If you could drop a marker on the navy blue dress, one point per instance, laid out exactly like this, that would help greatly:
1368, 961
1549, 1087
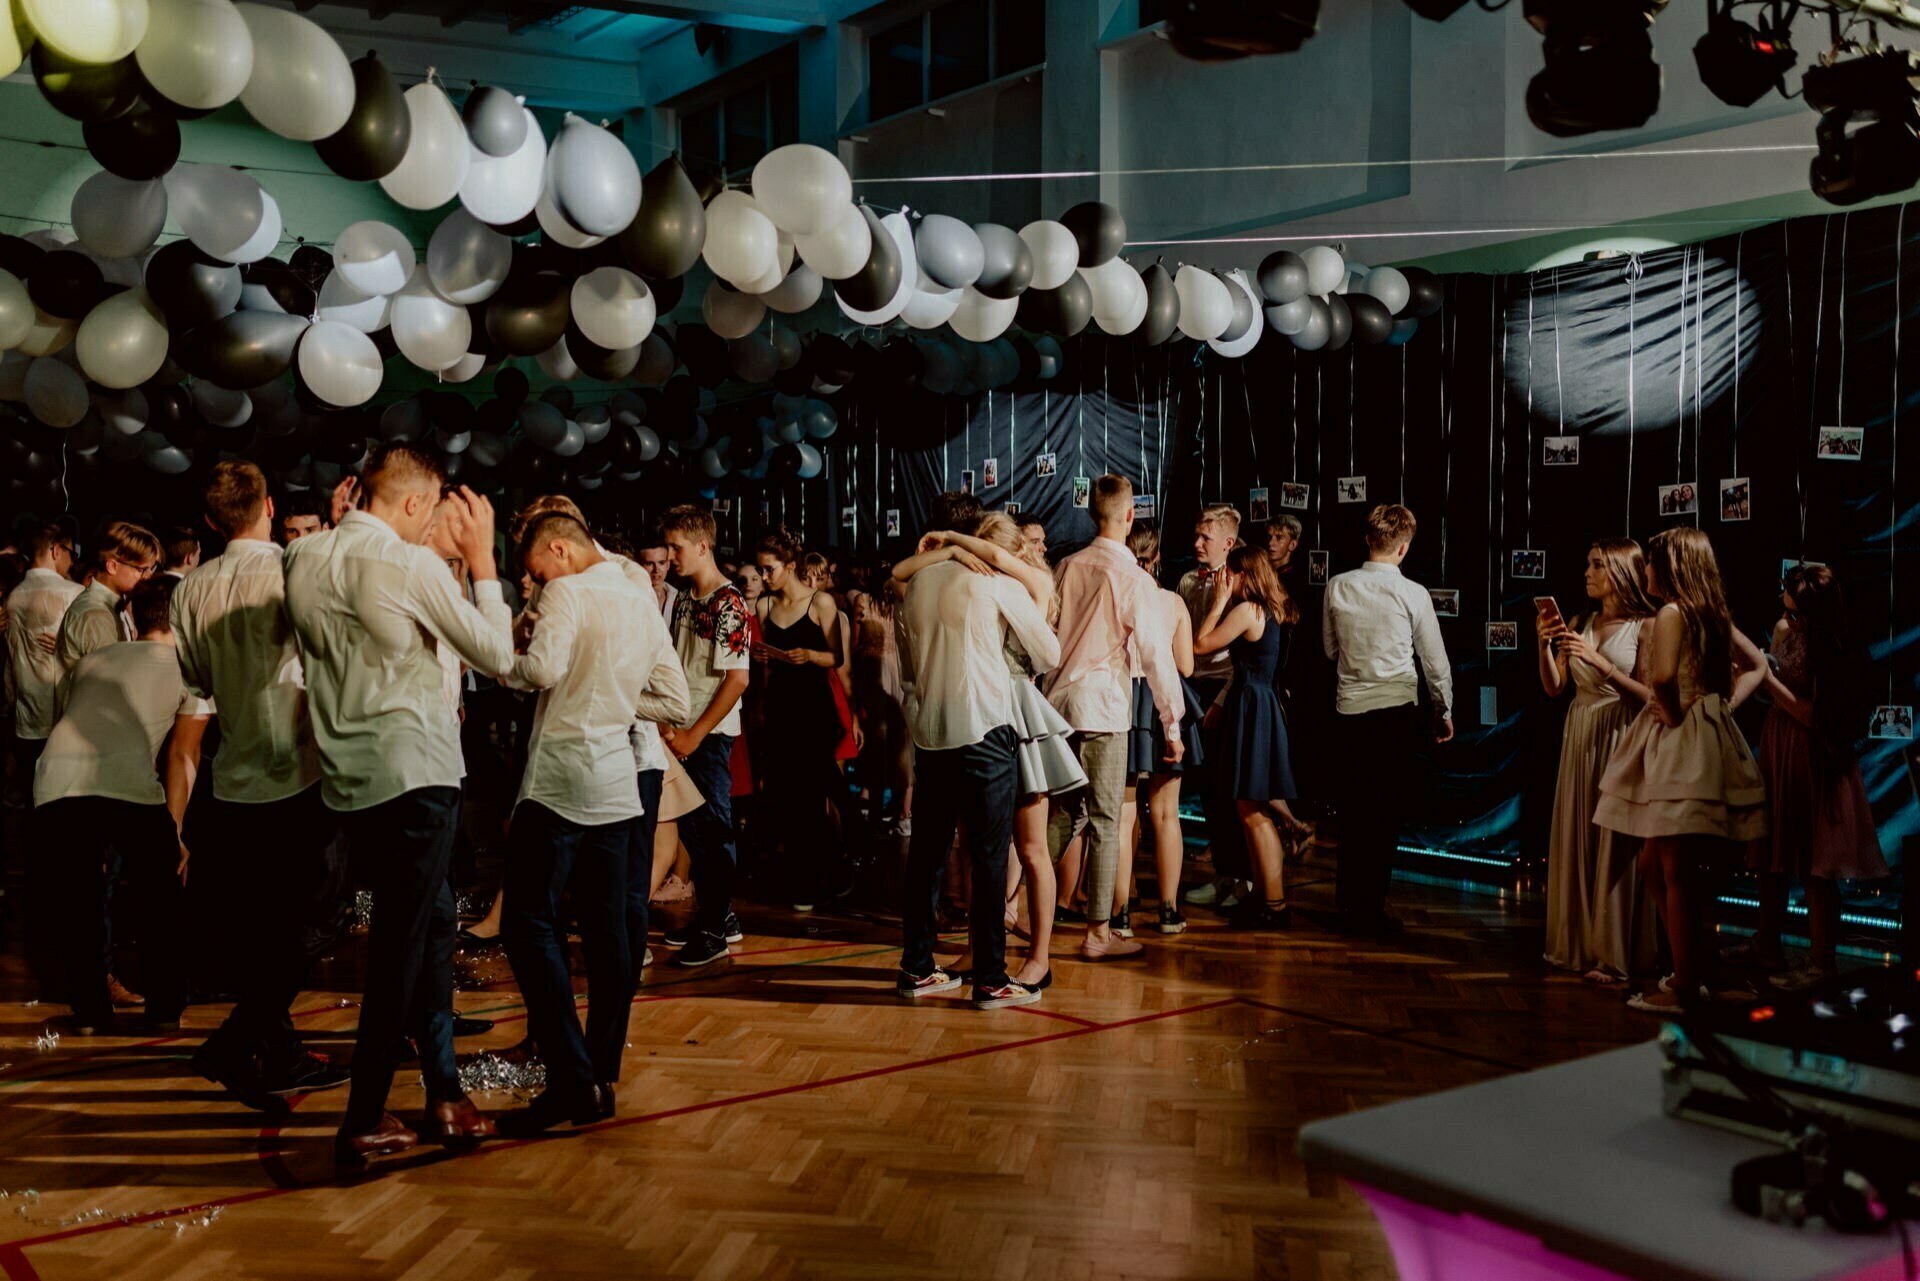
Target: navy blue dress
1255, 729
1147, 738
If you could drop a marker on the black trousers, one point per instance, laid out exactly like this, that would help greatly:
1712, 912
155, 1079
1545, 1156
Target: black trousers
273, 858
975, 785
401, 850
1224, 833
798, 782
708, 833
549, 855
640, 877
89, 842
1373, 801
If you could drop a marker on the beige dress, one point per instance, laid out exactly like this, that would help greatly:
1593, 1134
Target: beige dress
1597, 918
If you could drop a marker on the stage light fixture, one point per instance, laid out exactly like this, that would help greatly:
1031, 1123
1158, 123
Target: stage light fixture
1739, 62
1600, 72
1869, 130
1219, 30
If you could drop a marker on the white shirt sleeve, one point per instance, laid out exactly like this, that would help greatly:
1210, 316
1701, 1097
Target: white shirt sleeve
666, 699
1329, 639
1028, 624
1153, 641
550, 651
480, 633
1432, 649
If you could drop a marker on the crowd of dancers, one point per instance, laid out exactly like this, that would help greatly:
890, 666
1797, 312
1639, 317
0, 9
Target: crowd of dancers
1037, 718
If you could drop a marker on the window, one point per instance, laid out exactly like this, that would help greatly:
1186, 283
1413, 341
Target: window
952, 47
731, 134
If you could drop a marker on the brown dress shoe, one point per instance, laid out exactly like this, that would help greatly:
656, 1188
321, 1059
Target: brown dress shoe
122, 998
457, 1123
389, 1136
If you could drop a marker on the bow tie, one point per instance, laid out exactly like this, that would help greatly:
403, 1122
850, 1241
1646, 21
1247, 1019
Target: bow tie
1206, 574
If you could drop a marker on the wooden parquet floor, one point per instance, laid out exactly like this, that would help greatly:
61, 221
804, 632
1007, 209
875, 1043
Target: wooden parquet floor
784, 1116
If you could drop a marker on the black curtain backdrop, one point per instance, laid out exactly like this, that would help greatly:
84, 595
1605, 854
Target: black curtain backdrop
1687, 366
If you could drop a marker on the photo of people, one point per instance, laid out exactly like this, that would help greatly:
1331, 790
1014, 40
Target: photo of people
1446, 601
1351, 489
1892, 722
1678, 500
1294, 496
990, 473
893, 522
848, 515
966, 481
1503, 636
1529, 563
1143, 506
1736, 498
1082, 490
1257, 505
1044, 465
1316, 569
1841, 444
1560, 451
1012, 509
722, 506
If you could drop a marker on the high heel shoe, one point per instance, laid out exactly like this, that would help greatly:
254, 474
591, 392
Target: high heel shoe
1040, 984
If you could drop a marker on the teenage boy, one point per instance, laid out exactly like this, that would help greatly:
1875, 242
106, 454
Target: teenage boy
1215, 533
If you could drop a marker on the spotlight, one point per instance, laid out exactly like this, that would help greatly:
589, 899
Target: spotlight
1886, 80
1869, 130
1600, 72
1738, 62
1218, 30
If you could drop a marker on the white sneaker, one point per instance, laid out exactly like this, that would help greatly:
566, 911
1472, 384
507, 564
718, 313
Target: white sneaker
1235, 896
903, 828
646, 958
1205, 895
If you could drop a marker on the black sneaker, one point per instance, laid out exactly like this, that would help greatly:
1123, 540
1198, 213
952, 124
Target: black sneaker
306, 1074
704, 950
1008, 993
239, 1077
678, 938
1171, 922
914, 986
1255, 915
1122, 922
731, 929
1068, 916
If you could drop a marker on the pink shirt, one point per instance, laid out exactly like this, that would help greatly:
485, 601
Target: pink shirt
1111, 624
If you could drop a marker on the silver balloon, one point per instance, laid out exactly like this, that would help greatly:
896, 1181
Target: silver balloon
220, 406
170, 460
223, 211
799, 291
339, 364
494, 122
403, 420
786, 347
595, 421
558, 363
571, 442
341, 302
504, 189
116, 218
438, 155
124, 413
466, 259
613, 308
729, 313
374, 257
55, 392
16, 311
429, 330
488, 449
594, 178
1290, 318
950, 251
811, 461
123, 341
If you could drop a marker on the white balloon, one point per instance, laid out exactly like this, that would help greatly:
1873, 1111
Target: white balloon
339, 364
897, 227
1206, 308
16, 311
196, 53
341, 303
932, 308
979, 318
464, 369
302, 85
466, 259
438, 154
1390, 286
1247, 341
1119, 296
839, 251
1056, 254
93, 32
730, 313
557, 363
265, 238
220, 406
430, 331
1325, 269
555, 224
373, 257
595, 180
222, 210
52, 238
613, 307
56, 394
123, 341
768, 283
799, 291
118, 218
504, 189
803, 188
47, 335
742, 244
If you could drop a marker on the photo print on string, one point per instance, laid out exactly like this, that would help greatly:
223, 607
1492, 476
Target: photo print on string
990, 473
893, 522
1012, 509
1503, 635
1840, 444
1082, 491
1736, 498
847, 517
1143, 506
1351, 489
1559, 451
1316, 569
1446, 601
1258, 509
1045, 465
1787, 563
1529, 562
966, 480
1678, 500
1891, 721
1295, 497
722, 506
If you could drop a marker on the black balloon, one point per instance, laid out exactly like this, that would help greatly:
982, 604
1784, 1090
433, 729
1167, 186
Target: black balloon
609, 364
451, 412
784, 462
312, 265
1424, 294
1099, 229
1063, 312
666, 293
86, 93
666, 236
678, 401
1009, 267
874, 285
65, 284
170, 413
242, 350
904, 361
140, 145
1339, 322
1244, 315
19, 256
830, 359
559, 397
704, 353
190, 288
271, 285
1372, 322
374, 140
530, 312
1282, 277
496, 417
1163, 307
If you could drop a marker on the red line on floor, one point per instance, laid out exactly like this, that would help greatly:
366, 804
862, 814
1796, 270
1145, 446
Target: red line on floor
1055, 1014
1398, 1038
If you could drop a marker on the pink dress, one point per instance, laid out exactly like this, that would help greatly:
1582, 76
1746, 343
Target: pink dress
1822, 824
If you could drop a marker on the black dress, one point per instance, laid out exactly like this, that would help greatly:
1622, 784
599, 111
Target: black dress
1147, 738
802, 726
1255, 730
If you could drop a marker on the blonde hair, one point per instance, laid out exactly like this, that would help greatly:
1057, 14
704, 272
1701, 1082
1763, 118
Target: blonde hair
999, 529
1687, 575
128, 543
1220, 514
1112, 499
1389, 525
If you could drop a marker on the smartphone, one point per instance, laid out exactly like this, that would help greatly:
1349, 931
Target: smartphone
1549, 611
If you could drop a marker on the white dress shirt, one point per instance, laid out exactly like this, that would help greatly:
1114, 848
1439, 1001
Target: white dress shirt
1196, 594
649, 750
1373, 622
593, 652
36, 607
94, 619
117, 706
954, 628
236, 645
1111, 625
370, 613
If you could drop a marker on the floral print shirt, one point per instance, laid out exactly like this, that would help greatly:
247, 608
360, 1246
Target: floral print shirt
713, 636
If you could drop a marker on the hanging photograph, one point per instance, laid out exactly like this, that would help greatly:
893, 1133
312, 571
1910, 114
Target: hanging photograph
1044, 465
966, 481
847, 517
1529, 562
1351, 489
893, 522
1678, 500
1446, 601
1316, 569
1788, 563
1503, 636
1736, 498
1143, 506
1295, 497
1082, 491
1892, 722
1012, 509
766, 510
1840, 444
990, 473
722, 506
1257, 507
1560, 451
